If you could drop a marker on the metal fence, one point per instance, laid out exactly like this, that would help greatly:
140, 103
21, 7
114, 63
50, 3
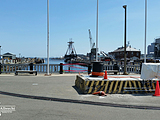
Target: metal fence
55, 68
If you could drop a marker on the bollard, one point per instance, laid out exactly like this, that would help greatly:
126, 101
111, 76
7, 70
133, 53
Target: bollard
0, 68
61, 68
69, 69
89, 69
31, 67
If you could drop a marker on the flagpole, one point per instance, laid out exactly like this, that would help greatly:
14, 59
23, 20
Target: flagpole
47, 37
145, 31
97, 35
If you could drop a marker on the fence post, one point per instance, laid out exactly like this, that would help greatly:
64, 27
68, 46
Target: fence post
61, 68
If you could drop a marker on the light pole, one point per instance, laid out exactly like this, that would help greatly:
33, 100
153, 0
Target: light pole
47, 37
145, 31
125, 7
97, 35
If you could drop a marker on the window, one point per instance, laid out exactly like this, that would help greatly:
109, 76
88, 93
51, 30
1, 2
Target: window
137, 53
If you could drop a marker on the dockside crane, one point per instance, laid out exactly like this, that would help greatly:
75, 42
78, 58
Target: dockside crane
93, 49
92, 44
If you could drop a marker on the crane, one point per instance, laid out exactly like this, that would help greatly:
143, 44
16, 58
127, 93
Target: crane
92, 44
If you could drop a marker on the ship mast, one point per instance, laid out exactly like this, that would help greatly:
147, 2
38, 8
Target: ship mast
71, 52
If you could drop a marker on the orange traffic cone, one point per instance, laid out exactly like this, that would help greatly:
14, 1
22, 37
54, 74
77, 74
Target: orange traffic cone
96, 93
100, 93
105, 75
157, 91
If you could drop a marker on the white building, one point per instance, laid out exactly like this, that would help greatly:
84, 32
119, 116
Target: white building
8, 56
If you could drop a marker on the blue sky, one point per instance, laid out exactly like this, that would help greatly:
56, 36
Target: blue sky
23, 25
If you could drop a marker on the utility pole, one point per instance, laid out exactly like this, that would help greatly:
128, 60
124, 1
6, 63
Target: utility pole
125, 26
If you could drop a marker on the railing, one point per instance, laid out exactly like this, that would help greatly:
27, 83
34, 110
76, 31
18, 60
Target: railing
55, 68
133, 69
41, 68
129, 68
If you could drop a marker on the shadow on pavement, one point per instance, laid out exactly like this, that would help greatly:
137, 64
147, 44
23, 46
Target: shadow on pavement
78, 90
80, 101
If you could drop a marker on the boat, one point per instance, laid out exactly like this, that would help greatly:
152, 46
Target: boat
70, 53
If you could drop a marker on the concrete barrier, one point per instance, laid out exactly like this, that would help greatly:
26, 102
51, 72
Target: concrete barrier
89, 86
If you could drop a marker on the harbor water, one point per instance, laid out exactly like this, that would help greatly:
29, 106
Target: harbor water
67, 67
54, 61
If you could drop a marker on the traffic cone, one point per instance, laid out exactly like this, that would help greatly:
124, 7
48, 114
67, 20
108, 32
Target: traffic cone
105, 75
96, 93
100, 93
157, 91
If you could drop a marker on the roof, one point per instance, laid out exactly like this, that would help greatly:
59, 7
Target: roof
7, 54
127, 49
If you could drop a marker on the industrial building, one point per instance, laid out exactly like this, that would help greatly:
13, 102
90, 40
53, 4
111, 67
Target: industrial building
157, 48
131, 53
150, 48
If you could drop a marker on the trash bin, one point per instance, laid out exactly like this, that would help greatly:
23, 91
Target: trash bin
97, 69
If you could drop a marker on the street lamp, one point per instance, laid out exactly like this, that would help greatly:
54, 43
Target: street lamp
125, 7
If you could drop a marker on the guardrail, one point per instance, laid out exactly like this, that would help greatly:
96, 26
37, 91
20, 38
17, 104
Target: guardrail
41, 68
55, 68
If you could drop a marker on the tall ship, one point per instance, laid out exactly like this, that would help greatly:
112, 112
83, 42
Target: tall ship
70, 53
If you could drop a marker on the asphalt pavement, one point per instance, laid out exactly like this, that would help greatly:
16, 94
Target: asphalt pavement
56, 97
